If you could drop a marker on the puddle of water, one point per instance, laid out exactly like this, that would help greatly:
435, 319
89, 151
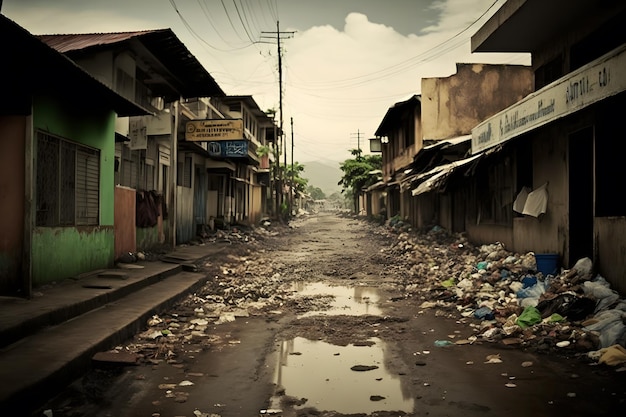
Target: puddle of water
352, 301
322, 373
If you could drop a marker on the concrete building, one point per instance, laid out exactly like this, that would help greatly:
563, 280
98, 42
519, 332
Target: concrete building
552, 178
57, 130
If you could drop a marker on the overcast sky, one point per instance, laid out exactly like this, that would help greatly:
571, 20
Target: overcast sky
346, 63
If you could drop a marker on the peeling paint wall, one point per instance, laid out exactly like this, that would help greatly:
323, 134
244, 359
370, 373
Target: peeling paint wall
611, 250
64, 252
125, 216
256, 204
452, 106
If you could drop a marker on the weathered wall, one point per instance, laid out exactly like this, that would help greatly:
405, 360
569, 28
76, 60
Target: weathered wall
64, 252
59, 253
256, 204
89, 126
184, 215
445, 211
452, 106
125, 216
547, 234
12, 130
426, 209
611, 250
485, 234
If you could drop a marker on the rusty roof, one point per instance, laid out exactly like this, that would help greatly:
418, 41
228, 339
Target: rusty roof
178, 70
37, 69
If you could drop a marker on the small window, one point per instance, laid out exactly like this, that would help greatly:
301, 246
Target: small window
68, 183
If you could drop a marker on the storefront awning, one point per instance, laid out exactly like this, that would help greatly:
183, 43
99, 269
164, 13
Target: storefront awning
377, 186
440, 174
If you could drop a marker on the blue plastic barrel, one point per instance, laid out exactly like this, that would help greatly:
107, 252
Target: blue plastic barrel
547, 263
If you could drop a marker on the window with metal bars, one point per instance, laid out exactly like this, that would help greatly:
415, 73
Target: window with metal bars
67, 184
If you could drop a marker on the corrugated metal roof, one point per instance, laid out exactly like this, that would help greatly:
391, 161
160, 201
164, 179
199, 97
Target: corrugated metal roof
178, 70
73, 42
36, 67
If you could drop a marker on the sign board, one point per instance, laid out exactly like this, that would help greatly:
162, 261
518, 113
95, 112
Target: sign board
159, 124
137, 133
595, 81
214, 130
228, 148
376, 145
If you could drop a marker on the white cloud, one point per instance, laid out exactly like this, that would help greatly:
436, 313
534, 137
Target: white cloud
337, 82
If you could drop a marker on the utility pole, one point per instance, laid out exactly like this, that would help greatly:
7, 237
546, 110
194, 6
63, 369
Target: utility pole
293, 175
358, 139
270, 35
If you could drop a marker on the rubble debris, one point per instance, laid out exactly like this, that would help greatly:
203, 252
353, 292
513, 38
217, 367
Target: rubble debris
502, 296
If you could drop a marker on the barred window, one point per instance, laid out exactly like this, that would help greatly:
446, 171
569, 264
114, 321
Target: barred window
68, 183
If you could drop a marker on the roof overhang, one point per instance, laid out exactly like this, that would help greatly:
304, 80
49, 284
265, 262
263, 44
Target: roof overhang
395, 113
527, 25
174, 70
439, 175
37, 68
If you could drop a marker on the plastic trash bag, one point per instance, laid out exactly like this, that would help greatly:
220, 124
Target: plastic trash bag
601, 290
532, 292
584, 267
610, 325
484, 313
567, 305
529, 317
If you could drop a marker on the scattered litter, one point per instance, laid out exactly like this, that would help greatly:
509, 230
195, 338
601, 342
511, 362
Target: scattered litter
364, 368
493, 359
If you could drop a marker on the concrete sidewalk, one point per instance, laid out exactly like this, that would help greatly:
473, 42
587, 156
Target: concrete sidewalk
48, 341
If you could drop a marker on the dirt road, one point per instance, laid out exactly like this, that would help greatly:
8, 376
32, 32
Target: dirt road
315, 321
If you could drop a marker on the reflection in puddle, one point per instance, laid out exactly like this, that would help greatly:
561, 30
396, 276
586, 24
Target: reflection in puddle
353, 301
322, 374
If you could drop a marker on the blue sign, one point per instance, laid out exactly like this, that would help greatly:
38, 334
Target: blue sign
229, 148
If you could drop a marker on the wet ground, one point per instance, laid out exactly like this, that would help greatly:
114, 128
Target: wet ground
314, 322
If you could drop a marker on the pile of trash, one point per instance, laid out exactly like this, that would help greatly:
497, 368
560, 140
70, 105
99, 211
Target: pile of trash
505, 299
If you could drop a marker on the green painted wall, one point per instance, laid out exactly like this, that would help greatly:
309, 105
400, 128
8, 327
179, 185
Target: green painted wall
59, 253
148, 238
89, 126
64, 252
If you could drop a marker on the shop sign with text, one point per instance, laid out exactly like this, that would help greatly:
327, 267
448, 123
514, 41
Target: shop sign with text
595, 81
214, 130
228, 148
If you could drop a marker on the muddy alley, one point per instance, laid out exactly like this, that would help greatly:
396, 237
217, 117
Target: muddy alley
330, 317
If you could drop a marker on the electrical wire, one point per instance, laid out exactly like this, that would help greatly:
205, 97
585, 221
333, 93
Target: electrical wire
431, 54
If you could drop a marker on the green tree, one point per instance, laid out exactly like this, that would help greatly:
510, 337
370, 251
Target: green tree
359, 173
316, 193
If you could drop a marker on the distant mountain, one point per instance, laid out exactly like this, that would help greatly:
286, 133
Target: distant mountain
324, 176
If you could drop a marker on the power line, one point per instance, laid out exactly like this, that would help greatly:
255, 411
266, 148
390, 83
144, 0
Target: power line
428, 55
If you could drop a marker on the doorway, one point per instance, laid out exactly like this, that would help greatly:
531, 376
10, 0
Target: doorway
581, 195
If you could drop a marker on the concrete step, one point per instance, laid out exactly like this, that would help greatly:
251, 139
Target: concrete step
61, 302
37, 367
